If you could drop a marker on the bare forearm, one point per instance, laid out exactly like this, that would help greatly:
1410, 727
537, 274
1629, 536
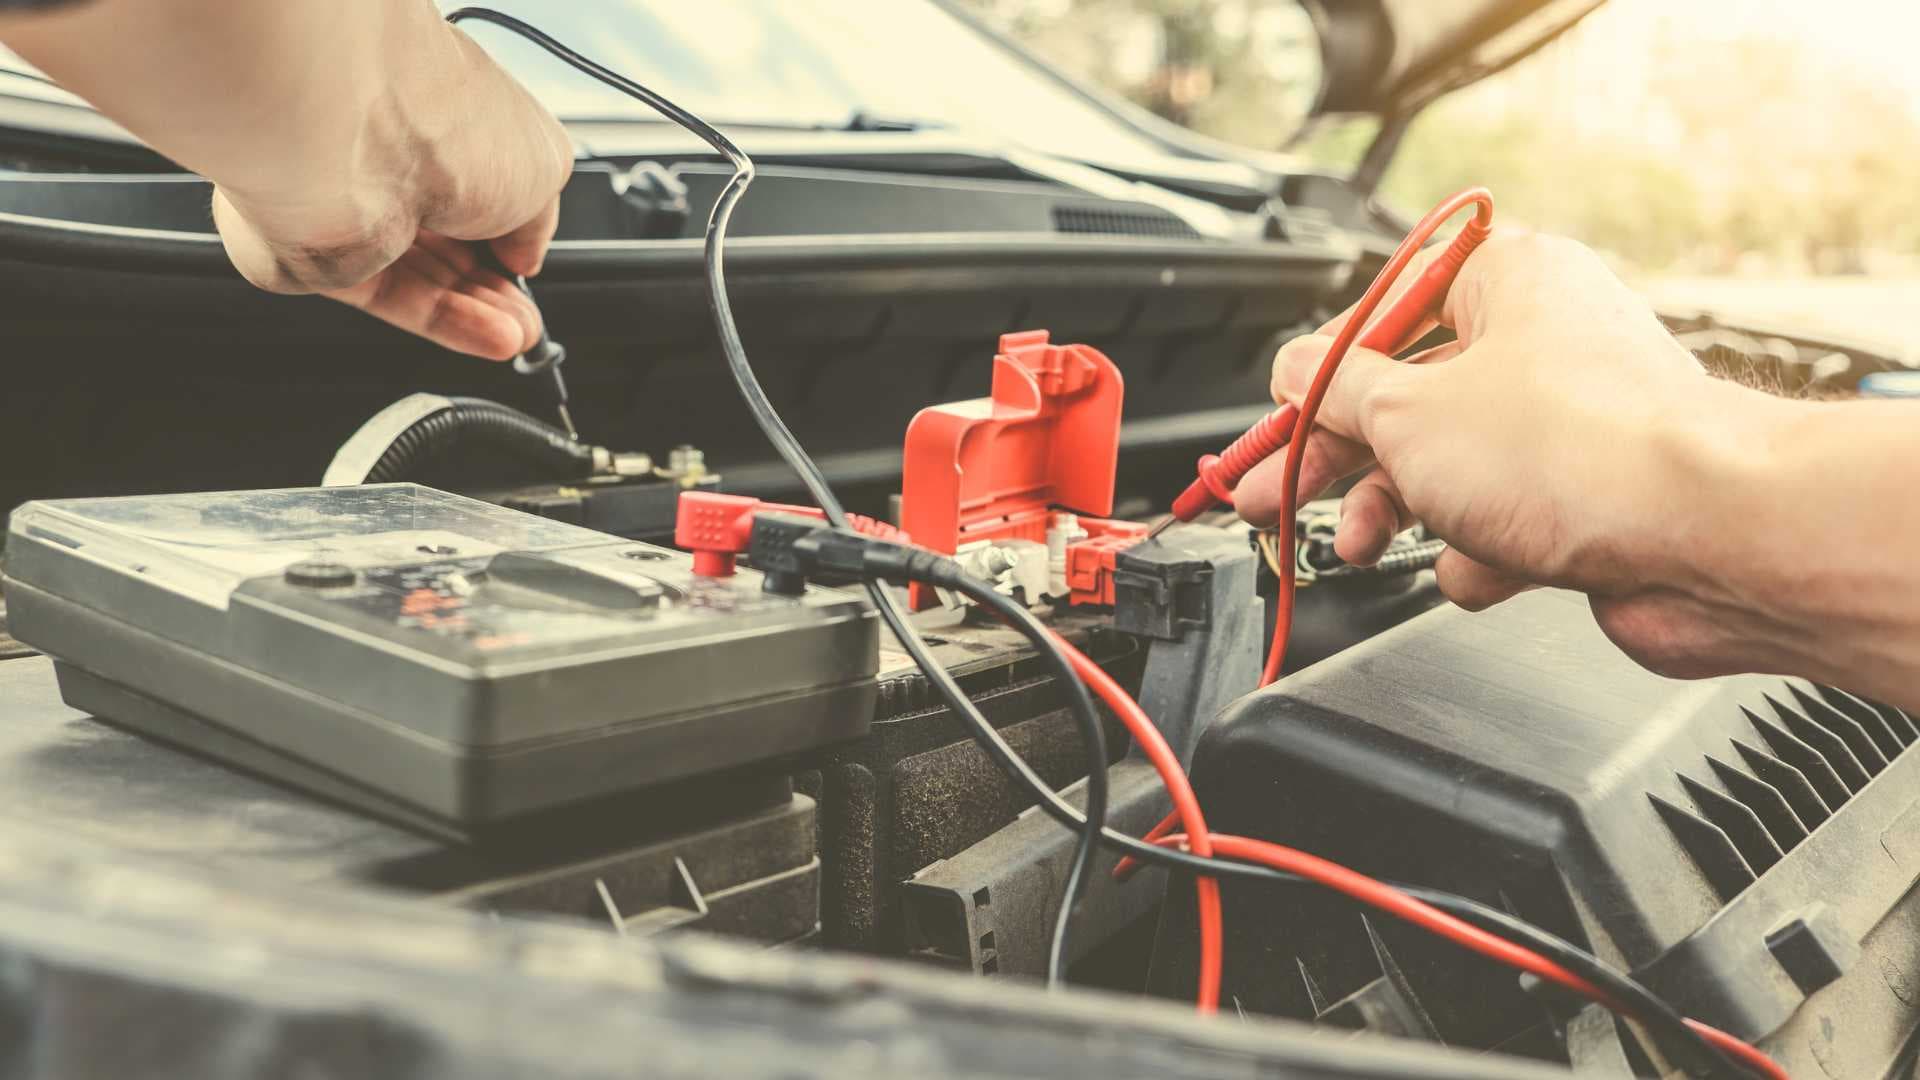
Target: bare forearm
347, 126
1567, 440
1817, 515
274, 102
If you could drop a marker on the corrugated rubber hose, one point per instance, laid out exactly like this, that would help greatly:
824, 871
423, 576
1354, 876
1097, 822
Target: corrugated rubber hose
474, 422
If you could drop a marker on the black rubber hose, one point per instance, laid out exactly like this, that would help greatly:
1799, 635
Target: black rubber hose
474, 422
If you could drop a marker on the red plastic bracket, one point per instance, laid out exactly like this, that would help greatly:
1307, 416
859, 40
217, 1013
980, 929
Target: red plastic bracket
992, 468
988, 469
1090, 562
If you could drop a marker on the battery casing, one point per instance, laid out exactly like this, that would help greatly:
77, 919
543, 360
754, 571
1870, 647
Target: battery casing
428, 656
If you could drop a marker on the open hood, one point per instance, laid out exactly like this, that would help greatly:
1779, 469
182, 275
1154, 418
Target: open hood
1395, 56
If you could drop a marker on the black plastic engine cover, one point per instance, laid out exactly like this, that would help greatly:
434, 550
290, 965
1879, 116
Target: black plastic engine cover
1745, 845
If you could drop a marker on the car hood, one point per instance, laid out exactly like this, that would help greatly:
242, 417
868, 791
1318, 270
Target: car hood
1395, 56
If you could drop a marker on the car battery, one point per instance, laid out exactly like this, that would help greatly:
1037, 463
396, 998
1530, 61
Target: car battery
919, 789
729, 853
441, 661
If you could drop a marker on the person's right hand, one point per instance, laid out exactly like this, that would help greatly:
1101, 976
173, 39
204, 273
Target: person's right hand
1565, 439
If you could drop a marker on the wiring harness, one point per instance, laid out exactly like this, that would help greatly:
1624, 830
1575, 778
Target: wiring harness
799, 546
794, 548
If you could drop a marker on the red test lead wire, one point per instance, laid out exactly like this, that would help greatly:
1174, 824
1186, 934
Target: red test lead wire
1186, 812
1743, 1052
1405, 322
1197, 838
1329, 874
1385, 897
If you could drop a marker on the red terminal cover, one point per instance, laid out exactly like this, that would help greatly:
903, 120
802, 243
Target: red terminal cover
992, 468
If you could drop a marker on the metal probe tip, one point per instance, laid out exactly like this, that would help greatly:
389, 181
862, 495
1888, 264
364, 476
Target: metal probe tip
1155, 532
561, 398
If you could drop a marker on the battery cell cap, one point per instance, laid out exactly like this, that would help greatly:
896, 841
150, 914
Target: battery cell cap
320, 574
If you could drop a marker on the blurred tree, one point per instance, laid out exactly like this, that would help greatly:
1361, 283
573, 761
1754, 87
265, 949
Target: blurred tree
1241, 70
1612, 192
1765, 150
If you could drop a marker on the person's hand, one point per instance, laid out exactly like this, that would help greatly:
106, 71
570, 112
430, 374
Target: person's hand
1563, 440
400, 246
356, 150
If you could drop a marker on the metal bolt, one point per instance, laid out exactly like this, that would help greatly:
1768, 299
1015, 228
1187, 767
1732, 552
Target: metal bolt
687, 464
632, 464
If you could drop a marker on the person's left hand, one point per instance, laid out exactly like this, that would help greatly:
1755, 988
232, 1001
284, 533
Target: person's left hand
410, 259
356, 150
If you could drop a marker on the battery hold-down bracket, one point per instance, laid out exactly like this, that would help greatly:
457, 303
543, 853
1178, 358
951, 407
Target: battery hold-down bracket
1004, 467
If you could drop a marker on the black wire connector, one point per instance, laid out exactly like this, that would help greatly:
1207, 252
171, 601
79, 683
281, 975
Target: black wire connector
789, 549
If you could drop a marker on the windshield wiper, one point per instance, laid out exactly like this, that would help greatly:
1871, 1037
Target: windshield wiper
34, 76
857, 120
866, 120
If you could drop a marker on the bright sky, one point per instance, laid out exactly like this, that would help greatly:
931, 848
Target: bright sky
1874, 35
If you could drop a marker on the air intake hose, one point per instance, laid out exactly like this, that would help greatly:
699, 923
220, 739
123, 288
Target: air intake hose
419, 427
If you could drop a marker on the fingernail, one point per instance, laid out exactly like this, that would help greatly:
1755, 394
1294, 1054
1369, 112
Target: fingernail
502, 343
1358, 541
529, 319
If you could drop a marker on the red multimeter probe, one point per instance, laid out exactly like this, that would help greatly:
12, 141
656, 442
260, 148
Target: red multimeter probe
1406, 321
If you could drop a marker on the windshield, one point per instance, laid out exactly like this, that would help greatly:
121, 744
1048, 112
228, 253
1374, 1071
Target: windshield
807, 63
788, 64
804, 63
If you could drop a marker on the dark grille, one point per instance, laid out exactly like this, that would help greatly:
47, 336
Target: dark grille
1820, 748
1106, 221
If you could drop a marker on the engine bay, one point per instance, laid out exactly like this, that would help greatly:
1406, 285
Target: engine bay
723, 747
482, 705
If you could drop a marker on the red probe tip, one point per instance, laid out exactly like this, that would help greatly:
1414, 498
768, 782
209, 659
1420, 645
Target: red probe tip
1403, 323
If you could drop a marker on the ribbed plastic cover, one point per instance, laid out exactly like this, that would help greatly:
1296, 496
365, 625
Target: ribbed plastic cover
1518, 756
